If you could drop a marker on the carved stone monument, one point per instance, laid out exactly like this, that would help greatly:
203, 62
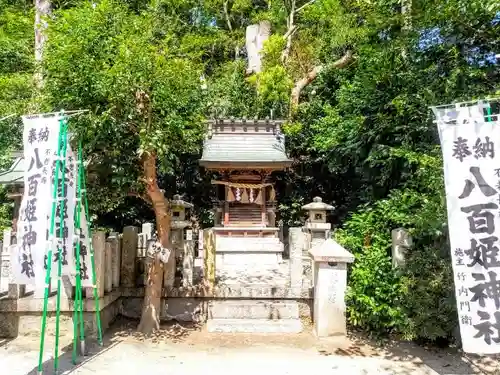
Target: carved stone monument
330, 282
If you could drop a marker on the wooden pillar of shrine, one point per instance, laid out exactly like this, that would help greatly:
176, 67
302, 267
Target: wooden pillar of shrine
226, 205
263, 207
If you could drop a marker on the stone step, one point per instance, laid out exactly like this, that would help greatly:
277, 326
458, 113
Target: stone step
251, 309
246, 244
254, 326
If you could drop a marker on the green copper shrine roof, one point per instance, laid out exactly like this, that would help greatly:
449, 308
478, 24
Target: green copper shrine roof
244, 142
14, 175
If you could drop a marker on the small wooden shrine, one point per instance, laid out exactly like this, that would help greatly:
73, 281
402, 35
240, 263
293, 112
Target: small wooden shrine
245, 153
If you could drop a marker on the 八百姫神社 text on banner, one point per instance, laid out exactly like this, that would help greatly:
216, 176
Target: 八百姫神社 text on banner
471, 156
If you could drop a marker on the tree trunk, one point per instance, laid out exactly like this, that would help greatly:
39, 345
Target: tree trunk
42, 10
311, 76
150, 318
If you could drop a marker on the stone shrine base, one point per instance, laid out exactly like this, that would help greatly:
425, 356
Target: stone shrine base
257, 308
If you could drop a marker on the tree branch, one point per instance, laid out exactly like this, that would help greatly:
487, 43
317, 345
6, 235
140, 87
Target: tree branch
226, 14
311, 76
304, 6
289, 33
144, 197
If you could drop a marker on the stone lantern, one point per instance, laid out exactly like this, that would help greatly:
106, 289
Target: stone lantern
179, 208
181, 245
317, 211
316, 225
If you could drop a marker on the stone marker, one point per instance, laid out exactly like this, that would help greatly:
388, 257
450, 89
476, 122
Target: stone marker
209, 259
188, 263
115, 258
296, 243
401, 242
330, 282
108, 267
129, 252
98, 245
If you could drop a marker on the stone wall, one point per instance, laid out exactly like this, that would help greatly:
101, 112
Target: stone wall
119, 263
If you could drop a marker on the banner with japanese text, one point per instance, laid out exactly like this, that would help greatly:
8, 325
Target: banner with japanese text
40, 141
471, 157
85, 263
64, 228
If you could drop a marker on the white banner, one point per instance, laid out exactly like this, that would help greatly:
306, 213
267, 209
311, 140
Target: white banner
471, 155
64, 236
85, 264
40, 137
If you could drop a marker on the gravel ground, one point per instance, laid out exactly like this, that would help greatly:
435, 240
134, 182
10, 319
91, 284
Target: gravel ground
187, 350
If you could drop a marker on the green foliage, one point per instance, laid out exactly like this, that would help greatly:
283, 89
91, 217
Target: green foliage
362, 137
143, 95
417, 300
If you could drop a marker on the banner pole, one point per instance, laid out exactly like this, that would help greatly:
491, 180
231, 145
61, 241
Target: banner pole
78, 326
49, 253
78, 248
61, 238
92, 263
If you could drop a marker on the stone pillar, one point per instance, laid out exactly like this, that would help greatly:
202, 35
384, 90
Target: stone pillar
14, 291
296, 242
401, 242
226, 212
176, 241
129, 252
209, 259
330, 283
271, 217
200, 244
98, 246
108, 267
188, 260
5, 260
147, 230
115, 258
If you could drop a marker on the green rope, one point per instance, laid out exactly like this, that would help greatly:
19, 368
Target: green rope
49, 254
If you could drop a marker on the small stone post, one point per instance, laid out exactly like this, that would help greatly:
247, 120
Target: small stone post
296, 243
200, 244
129, 253
330, 282
108, 267
209, 259
169, 267
188, 260
401, 242
15, 291
147, 230
98, 245
115, 258
5, 260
